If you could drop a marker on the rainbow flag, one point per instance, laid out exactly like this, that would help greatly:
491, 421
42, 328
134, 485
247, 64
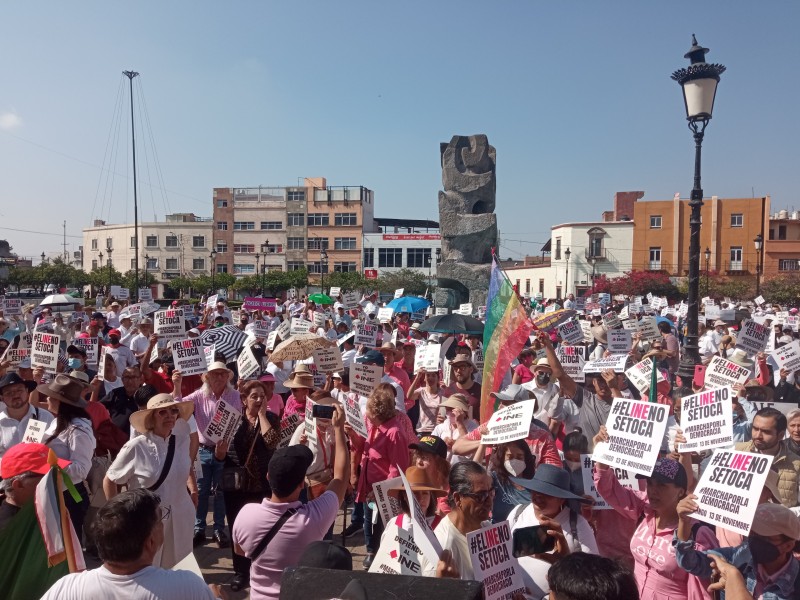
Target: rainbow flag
505, 333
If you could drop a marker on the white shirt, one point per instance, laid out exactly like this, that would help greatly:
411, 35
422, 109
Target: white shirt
451, 539
280, 375
11, 430
113, 319
76, 443
347, 357
151, 583
447, 429
139, 344
399, 398
549, 403
123, 356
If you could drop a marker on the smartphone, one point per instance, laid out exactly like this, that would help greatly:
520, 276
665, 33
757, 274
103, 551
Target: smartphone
532, 540
320, 411
699, 378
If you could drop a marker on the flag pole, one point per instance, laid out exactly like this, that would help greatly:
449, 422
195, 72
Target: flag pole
66, 523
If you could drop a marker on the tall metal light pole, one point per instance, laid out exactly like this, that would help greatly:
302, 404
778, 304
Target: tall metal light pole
708, 259
130, 75
592, 261
258, 258
567, 254
759, 241
323, 266
265, 250
146, 260
213, 257
109, 249
699, 84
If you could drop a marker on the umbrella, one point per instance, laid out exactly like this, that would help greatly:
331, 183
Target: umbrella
321, 299
226, 339
664, 320
453, 323
299, 347
409, 304
547, 321
59, 300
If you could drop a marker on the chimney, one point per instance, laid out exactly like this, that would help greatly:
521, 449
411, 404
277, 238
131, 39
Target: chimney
623, 205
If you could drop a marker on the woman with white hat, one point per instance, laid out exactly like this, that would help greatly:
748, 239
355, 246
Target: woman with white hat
159, 461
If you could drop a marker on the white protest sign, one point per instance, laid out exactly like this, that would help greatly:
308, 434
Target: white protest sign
309, 422
494, 563
611, 320
641, 373
328, 360
427, 358
353, 416
15, 356
350, 300
420, 528
648, 328
572, 362
586, 327
635, 431
299, 325
260, 329
211, 302
366, 335
630, 325
92, 348
44, 352
319, 319
224, 423
465, 309
707, 420
385, 314
619, 341
170, 324
571, 332
729, 488
334, 292
246, 363
288, 426
478, 359
145, 294
189, 357
284, 330
792, 321
34, 432
208, 354
116, 291
509, 423
441, 311
398, 293
627, 479
616, 362
724, 373
398, 556
712, 312
760, 300
12, 307
271, 339
788, 356
727, 314
364, 378
101, 361
752, 337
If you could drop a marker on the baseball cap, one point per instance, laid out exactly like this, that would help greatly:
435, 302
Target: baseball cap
513, 393
115, 332
72, 349
98, 315
668, 470
430, 443
371, 356
22, 458
287, 467
770, 519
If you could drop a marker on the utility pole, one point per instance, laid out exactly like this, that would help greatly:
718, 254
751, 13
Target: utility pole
130, 75
65, 241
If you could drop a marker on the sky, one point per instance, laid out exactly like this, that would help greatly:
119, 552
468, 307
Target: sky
575, 96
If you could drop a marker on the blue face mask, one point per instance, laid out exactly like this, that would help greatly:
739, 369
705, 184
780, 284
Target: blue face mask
74, 363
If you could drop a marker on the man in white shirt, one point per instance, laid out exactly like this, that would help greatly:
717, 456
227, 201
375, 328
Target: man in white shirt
112, 316
18, 412
141, 341
369, 304
348, 349
129, 532
222, 311
122, 355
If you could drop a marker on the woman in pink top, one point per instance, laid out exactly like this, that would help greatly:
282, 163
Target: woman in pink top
301, 383
425, 390
522, 372
657, 573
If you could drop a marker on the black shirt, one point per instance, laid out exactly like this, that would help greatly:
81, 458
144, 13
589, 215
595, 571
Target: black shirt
7, 512
120, 406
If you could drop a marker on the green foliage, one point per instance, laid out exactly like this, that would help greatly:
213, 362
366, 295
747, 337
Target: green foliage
105, 276
411, 280
129, 280
349, 281
782, 289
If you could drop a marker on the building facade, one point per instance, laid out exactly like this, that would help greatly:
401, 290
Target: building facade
403, 244
782, 245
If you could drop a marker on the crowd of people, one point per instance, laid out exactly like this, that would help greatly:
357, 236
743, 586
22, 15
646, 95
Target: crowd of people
137, 439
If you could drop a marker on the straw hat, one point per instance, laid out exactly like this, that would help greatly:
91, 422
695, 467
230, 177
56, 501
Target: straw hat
390, 347
418, 481
301, 378
600, 334
542, 363
456, 401
740, 357
64, 389
142, 420
218, 365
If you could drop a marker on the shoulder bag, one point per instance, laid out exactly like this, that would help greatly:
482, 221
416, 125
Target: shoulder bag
167, 465
234, 478
271, 534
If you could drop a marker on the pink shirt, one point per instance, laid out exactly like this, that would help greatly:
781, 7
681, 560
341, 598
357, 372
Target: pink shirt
293, 407
385, 449
308, 524
539, 441
205, 406
275, 404
400, 377
524, 373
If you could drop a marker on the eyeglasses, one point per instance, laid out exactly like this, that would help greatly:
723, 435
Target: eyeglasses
461, 366
168, 411
480, 496
165, 514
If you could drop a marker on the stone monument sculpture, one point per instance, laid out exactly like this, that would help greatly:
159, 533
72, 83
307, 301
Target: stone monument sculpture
467, 222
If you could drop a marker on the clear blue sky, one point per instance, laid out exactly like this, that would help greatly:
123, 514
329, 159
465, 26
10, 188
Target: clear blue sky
575, 96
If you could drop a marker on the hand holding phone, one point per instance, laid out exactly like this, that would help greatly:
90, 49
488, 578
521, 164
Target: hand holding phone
528, 541
320, 411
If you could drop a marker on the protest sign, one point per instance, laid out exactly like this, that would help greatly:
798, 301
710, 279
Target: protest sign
759, 300
34, 432
712, 312
15, 356
364, 378
284, 330
441, 311
788, 356
572, 362
224, 423
586, 328
427, 358
366, 335
648, 328
388, 506
145, 294
170, 324
619, 341
792, 321
611, 320
189, 357
509, 423
12, 307
616, 362
729, 488
727, 314
707, 420
211, 302
724, 373
310, 422
116, 291
319, 319
641, 373
465, 309
260, 329
350, 300
262, 304
630, 325
92, 348
626, 479
271, 339
300, 325
418, 316
353, 416
288, 426
328, 360
246, 363
571, 332
398, 293
385, 314
420, 528
208, 354
494, 563
635, 431
44, 352
334, 292
478, 360
752, 337
101, 361
398, 556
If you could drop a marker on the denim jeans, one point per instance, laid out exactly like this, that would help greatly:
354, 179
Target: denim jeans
357, 516
372, 532
212, 476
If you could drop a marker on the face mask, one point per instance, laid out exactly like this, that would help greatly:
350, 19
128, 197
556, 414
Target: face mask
762, 551
573, 465
113, 339
515, 466
542, 378
74, 363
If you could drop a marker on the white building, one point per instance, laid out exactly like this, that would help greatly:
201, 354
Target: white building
181, 245
402, 244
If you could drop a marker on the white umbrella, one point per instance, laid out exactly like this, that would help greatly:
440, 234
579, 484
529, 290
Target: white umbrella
60, 300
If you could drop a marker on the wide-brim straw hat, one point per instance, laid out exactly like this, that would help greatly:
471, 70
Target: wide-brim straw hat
390, 347
65, 389
301, 380
219, 366
142, 420
600, 334
418, 481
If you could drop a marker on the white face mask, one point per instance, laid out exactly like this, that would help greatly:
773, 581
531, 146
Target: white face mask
515, 466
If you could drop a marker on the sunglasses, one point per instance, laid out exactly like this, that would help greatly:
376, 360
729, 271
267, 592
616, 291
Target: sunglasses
163, 412
480, 496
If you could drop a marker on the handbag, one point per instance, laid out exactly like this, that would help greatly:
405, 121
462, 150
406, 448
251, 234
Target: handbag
234, 478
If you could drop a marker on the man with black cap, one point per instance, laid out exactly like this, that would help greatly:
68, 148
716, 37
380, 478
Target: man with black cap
14, 419
282, 522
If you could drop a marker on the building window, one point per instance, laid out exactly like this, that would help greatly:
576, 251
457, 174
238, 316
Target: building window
133, 241
736, 258
541, 286
528, 286
295, 195
369, 258
172, 241
295, 219
318, 243
344, 219
222, 225
239, 269
133, 263
172, 264
316, 267
223, 268
737, 220
344, 243
94, 244
781, 232
295, 265
318, 219
244, 248
94, 262
295, 243
418, 258
558, 249
271, 225
344, 267
244, 225
152, 263
151, 241
596, 236
390, 257
198, 264
273, 248
222, 247
198, 241
655, 221
222, 203
655, 259
784, 264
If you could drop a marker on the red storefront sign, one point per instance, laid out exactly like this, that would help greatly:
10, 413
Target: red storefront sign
371, 273
411, 236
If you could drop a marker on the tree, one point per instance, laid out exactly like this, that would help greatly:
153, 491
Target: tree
412, 281
782, 289
104, 277
348, 281
276, 282
62, 274
637, 283
250, 285
129, 281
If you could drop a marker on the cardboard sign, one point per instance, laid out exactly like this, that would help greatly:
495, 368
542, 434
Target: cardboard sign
493, 562
92, 348
571, 332
611, 320
300, 325
441, 311
626, 479
170, 324
145, 294
752, 337
427, 358
759, 300
707, 420
224, 423
288, 426
641, 373
724, 373
334, 292
617, 363
729, 488
328, 360
648, 328
635, 430
12, 307
364, 378
788, 356
619, 341
44, 352
385, 314
246, 363
509, 423
571, 359
353, 416
262, 304
34, 432
366, 335
398, 293
189, 357
350, 300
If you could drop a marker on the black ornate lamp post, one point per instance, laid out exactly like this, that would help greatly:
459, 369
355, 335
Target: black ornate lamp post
759, 242
592, 261
109, 249
323, 266
213, 257
567, 254
265, 250
258, 258
146, 261
699, 84
708, 259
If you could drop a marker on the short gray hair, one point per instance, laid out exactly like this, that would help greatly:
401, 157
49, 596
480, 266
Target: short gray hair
6, 484
793, 414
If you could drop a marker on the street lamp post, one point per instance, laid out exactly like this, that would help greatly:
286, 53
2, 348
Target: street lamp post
699, 85
759, 241
567, 254
146, 260
323, 266
708, 259
258, 258
592, 261
213, 257
109, 249
265, 250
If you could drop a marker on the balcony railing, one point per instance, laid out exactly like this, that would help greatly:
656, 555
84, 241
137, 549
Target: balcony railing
595, 253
